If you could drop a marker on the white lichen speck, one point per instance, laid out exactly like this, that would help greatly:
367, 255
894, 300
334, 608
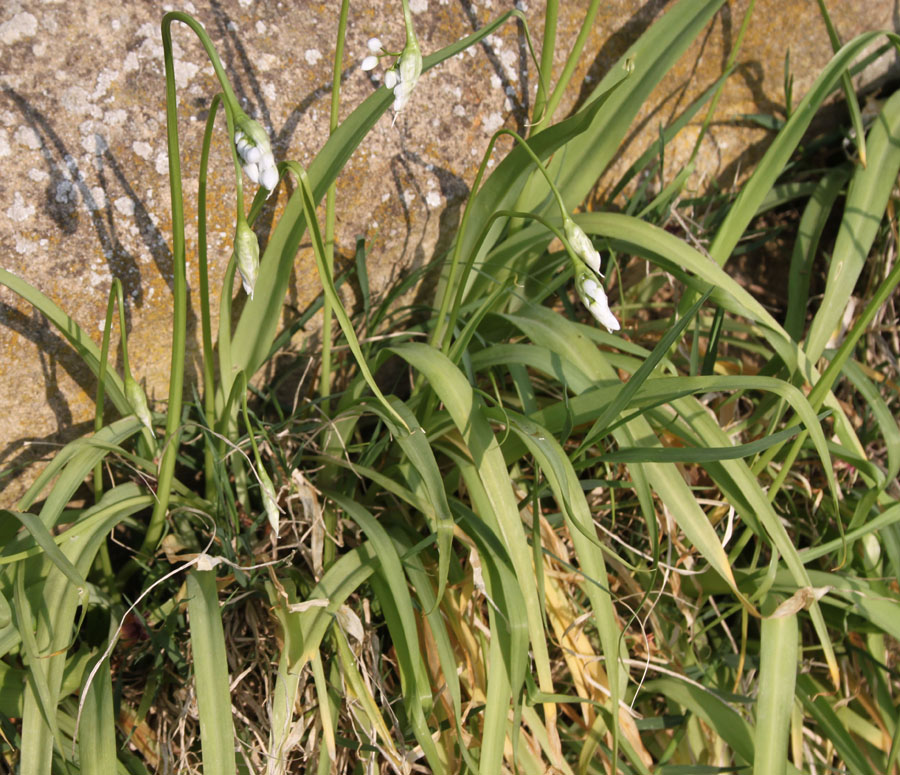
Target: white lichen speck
22, 25
19, 211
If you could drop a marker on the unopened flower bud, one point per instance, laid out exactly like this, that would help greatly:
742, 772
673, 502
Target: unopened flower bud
369, 63
582, 245
252, 172
246, 251
253, 146
374, 45
268, 177
252, 131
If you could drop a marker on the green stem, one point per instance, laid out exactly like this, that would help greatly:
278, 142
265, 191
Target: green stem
408, 23
101, 385
315, 233
548, 48
209, 391
105, 560
732, 58
571, 64
847, 85
123, 336
246, 412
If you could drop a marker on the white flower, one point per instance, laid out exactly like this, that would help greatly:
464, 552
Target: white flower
369, 63
594, 298
391, 78
374, 45
252, 145
582, 245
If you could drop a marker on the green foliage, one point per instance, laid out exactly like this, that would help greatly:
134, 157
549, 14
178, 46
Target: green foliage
670, 549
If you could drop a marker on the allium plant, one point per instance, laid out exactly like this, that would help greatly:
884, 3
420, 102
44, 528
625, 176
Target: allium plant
669, 546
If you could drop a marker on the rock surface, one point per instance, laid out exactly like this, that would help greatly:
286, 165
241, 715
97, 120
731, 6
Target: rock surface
85, 192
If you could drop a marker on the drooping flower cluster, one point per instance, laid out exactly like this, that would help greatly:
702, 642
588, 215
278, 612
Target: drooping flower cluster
402, 78
588, 275
403, 75
252, 145
594, 298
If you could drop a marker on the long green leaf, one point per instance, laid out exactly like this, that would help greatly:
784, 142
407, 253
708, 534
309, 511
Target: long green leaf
777, 675
211, 674
867, 198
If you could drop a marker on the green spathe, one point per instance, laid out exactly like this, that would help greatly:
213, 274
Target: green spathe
246, 251
582, 245
135, 396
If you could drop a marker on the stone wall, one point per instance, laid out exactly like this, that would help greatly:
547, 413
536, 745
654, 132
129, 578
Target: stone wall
85, 195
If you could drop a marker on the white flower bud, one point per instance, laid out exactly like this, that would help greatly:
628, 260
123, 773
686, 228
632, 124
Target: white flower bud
252, 144
391, 78
268, 178
253, 131
369, 63
252, 172
374, 45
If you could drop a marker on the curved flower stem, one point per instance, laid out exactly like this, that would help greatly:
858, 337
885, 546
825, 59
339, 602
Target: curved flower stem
242, 381
458, 347
329, 515
179, 285
200, 31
